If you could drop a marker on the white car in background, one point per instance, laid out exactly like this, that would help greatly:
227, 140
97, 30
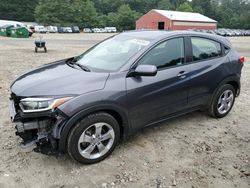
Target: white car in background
67, 30
96, 30
111, 29
52, 29
14, 23
87, 30
103, 30
40, 29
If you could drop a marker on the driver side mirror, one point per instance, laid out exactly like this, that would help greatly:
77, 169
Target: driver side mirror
143, 70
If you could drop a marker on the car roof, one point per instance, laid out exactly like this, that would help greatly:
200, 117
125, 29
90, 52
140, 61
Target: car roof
146, 34
156, 35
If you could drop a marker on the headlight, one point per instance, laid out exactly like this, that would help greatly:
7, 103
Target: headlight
41, 104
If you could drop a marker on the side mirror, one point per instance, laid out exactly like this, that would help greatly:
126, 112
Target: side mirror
143, 70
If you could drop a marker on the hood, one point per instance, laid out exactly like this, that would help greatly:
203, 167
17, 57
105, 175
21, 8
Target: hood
57, 79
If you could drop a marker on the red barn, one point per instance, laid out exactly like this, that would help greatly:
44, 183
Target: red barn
175, 20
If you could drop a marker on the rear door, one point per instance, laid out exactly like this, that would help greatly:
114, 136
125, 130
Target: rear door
207, 69
152, 98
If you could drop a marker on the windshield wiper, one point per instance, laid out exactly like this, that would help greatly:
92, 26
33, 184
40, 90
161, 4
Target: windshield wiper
73, 61
82, 67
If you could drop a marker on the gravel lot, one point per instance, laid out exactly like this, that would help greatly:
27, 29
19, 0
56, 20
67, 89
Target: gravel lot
191, 151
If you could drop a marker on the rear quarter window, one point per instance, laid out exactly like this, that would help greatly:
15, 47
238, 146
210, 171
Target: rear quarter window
205, 48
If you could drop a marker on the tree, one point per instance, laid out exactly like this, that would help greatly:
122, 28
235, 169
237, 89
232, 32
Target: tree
204, 6
198, 9
81, 13
141, 6
18, 10
176, 3
165, 5
107, 6
185, 7
112, 19
88, 15
126, 18
54, 12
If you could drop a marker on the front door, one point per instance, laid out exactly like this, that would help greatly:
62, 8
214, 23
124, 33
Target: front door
153, 98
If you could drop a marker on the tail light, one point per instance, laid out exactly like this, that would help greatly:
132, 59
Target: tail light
242, 59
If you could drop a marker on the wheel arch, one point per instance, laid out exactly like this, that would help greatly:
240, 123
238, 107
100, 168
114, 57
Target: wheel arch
117, 112
236, 86
232, 80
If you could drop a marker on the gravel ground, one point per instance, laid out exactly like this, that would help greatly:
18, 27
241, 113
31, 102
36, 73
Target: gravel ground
191, 151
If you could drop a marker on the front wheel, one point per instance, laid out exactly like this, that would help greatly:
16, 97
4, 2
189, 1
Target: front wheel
223, 101
93, 138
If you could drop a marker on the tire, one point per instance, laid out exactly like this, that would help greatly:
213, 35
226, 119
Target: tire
45, 49
221, 104
36, 49
87, 128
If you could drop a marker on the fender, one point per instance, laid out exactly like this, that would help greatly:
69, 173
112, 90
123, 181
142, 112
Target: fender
232, 78
102, 107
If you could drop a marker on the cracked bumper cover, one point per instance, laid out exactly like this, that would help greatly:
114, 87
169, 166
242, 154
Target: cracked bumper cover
39, 131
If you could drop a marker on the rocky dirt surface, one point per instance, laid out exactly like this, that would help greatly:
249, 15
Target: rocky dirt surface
194, 150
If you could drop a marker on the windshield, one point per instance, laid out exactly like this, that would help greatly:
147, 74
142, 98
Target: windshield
111, 54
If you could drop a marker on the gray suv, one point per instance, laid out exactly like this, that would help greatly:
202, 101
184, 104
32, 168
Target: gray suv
84, 105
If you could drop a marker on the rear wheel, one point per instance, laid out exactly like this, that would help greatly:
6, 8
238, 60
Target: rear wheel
36, 49
223, 101
93, 138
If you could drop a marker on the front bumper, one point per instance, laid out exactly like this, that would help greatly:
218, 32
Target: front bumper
40, 131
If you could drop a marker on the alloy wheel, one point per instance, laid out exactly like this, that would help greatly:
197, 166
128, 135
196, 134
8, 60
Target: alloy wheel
96, 140
225, 101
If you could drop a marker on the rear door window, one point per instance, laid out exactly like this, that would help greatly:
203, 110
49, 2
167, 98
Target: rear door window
205, 48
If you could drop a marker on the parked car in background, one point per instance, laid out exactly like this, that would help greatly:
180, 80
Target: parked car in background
67, 30
220, 32
52, 29
84, 105
211, 32
247, 33
236, 32
100, 30
87, 30
14, 23
30, 32
225, 32
60, 29
64, 29
40, 29
228, 32
31, 27
75, 29
96, 30
111, 29
103, 30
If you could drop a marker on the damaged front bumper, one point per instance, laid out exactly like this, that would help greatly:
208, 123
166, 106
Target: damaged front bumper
39, 131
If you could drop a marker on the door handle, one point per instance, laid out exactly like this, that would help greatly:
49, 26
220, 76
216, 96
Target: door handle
182, 74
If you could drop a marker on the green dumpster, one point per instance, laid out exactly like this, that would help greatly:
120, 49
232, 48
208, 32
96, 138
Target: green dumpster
2, 31
19, 32
5, 30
